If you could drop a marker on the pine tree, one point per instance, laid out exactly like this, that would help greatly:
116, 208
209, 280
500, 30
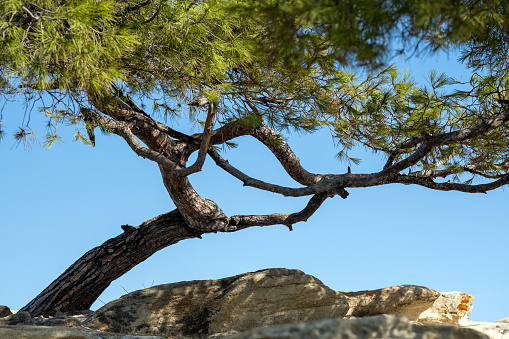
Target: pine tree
260, 69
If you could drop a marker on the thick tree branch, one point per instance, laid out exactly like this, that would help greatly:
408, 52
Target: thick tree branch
122, 129
322, 183
366, 180
245, 221
276, 145
285, 155
227, 132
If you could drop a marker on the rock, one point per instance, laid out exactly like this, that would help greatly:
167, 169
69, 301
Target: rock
379, 326
218, 307
58, 321
498, 330
505, 320
42, 332
406, 300
20, 318
450, 308
4, 311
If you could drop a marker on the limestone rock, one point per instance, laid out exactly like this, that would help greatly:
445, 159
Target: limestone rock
497, 330
505, 320
406, 300
450, 308
42, 332
4, 311
224, 306
20, 318
379, 326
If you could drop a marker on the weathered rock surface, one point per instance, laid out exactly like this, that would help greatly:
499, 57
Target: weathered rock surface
63, 321
272, 303
224, 306
450, 308
42, 332
380, 327
4, 311
406, 300
20, 318
58, 332
497, 330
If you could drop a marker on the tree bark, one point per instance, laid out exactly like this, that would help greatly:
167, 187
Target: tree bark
84, 281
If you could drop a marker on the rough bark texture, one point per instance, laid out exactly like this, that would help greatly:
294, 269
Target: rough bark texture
82, 283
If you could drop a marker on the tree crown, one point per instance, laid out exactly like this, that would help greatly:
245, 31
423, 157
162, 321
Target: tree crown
287, 64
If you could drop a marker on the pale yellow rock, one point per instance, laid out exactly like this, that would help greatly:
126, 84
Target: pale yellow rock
450, 308
42, 332
212, 307
406, 300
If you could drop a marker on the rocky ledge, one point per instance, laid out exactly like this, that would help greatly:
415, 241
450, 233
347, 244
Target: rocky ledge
271, 303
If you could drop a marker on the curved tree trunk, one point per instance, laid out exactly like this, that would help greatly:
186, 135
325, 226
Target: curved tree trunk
84, 281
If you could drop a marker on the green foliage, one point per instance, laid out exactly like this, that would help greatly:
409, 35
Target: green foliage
25, 136
294, 65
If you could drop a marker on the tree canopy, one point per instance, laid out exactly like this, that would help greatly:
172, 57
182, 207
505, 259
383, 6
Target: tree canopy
294, 64
263, 68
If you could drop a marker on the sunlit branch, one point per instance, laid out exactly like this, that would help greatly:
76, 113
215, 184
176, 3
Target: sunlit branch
245, 221
276, 145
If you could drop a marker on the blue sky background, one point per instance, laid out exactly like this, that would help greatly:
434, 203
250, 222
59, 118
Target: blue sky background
57, 204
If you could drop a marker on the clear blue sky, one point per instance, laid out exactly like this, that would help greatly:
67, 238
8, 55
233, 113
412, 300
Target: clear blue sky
57, 204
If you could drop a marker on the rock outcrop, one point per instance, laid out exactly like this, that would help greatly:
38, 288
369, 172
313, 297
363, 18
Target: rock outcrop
453, 308
20, 318
407, 300
224, 306
4, 311
495, 330
272, 303
380, 327
450, 308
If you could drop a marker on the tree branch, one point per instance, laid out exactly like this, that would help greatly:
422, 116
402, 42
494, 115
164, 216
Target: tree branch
474, 169
443, 139
276, 145
451, 186
122, 129
367, 180
323, 186
408, 144
204, 145
452, 137
246, 221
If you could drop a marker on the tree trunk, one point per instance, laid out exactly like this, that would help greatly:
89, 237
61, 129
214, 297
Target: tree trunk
84, 281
